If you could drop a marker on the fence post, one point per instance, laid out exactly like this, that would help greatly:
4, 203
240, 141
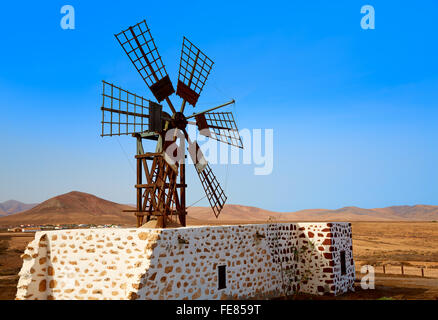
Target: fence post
384, 269
422, 272
402, 270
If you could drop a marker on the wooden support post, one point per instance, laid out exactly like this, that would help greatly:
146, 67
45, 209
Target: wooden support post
402, 270
139, 193
161, 221
422, 272
384, 269
182, 181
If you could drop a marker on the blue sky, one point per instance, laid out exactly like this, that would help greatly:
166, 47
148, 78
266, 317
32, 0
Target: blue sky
354, 111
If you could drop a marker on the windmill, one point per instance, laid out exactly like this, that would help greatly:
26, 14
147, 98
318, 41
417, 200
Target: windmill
162, 195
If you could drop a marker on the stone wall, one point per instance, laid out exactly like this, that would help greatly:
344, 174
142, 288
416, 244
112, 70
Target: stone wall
261, 261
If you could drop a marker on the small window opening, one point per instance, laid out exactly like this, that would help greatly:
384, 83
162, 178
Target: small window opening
343, 265
222, 277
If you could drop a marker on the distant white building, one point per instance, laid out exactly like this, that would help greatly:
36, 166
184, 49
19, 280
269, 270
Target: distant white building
30, 229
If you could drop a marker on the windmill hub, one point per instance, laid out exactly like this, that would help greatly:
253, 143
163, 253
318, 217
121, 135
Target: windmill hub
179, 121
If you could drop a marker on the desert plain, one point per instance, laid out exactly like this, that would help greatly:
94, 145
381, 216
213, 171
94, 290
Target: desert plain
388, 238
413, 244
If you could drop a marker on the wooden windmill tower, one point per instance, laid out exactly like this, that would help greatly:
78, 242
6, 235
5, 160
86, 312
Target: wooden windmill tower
161, 186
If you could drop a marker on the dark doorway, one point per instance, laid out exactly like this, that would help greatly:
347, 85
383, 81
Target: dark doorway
222, 277
343, 265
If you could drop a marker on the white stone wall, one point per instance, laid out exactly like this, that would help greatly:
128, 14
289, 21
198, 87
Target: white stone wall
261, 261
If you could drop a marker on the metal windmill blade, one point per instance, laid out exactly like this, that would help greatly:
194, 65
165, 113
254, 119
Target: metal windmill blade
123, 112
214, 192
139, 45
219, 126
194, 69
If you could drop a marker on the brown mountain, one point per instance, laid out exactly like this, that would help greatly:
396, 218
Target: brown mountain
237, 213
231, 212
418, 212
78, 207
73, 207
13, 206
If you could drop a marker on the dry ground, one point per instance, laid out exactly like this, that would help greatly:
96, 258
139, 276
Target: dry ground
413, 243
12, 245
387, 287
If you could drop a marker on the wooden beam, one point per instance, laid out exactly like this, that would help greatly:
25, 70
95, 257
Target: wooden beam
148, 154
125, 112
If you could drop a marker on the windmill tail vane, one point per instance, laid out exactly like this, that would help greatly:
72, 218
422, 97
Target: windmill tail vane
161, 185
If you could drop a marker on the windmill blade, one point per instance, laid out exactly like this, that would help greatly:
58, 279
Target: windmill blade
194, 69
213, 190
138, 44
123, 112
196, 155
219, 126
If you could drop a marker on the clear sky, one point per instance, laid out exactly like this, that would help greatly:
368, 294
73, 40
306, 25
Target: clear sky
354, 111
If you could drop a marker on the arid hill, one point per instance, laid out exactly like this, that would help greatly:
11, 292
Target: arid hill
13, 206
237, 213
73, 207
78, 207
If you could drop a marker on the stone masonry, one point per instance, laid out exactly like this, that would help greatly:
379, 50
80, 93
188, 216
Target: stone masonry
208, 262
